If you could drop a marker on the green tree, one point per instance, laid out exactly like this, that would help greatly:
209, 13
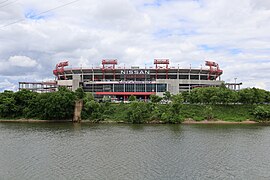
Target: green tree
259, 95
177, 102
93, 110
23, 100
106, 99
222, 86
246, 96
7, 104
186, 96
79, 93
156, 111
213, 95
172, 114
167, 96
54, 106
262, 113
132, 98
155, 99
89, 96
252, 96
137, 112
267, 97
225, 96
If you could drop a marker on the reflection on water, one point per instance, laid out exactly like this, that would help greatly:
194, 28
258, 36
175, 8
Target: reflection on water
120, 151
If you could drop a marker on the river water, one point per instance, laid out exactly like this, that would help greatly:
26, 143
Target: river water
120, 151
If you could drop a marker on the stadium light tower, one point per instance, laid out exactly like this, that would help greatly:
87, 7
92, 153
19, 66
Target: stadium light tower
235, 83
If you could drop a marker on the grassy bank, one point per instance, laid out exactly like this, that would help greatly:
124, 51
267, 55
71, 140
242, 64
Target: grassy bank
236, 113
232, 113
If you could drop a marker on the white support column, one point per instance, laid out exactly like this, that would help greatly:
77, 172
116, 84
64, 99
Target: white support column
178, 72
145, 86
189, 80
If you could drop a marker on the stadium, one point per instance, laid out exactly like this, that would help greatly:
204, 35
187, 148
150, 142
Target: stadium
119, 83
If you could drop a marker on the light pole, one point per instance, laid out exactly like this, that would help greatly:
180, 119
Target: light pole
235, 83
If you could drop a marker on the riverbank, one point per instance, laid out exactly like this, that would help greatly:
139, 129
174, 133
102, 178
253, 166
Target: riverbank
218, 122
23, 120
188, 121
196, 112
149, 113
60, 105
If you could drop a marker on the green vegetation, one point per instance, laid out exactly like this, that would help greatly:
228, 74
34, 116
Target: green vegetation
48, 106
132, 98
222, 95
155, 99
137, 112
236, 113
262, 113
200, 104
167, 96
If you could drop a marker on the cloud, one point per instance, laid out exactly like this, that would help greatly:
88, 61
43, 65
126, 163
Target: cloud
236, 35
7, 85
18, 65
22, 61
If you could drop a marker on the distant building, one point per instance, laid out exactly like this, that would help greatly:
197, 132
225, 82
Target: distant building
233, 86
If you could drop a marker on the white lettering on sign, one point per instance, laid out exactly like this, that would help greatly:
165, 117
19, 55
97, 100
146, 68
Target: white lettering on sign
135, 72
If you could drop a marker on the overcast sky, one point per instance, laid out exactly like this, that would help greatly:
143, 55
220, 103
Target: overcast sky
234, 33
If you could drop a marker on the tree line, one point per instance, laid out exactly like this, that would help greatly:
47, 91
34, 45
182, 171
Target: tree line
26, 104
59, 105
223, 95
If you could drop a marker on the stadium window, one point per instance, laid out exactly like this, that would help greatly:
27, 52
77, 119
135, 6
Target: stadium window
150, 87
129, 87
182, 76
161, 87
194, 77
119, 88
140, 87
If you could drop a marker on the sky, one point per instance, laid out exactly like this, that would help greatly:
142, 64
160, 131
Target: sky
35, 35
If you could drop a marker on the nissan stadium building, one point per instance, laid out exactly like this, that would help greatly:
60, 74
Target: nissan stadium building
121, 82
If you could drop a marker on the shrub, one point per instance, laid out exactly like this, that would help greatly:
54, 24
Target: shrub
132, 98
209, 113
262, 113
155, 99
137, 112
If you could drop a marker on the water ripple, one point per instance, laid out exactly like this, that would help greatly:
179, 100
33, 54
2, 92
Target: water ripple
67, 151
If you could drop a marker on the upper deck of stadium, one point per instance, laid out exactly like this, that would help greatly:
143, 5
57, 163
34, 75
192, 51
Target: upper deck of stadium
161, 70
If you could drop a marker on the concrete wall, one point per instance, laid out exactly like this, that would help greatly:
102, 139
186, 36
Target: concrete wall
64, 82
172, 85
78, 111
76, 81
